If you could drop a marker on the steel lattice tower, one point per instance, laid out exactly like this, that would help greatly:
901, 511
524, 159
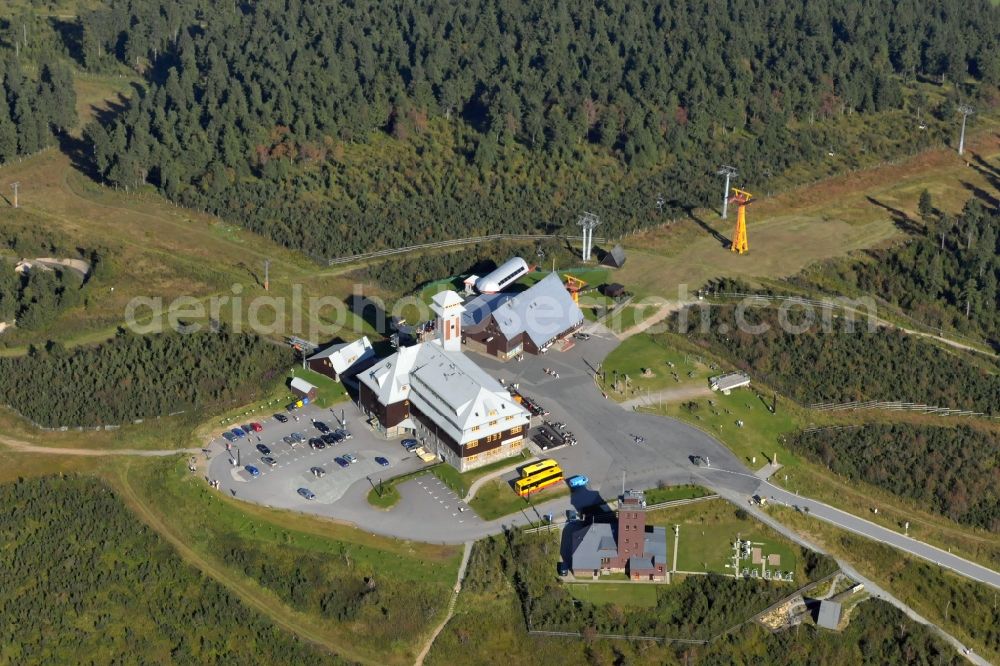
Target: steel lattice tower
741, 198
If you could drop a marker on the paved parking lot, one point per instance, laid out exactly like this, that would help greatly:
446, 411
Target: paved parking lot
278, 485
605, 431
427, 494
431, 512
607, 448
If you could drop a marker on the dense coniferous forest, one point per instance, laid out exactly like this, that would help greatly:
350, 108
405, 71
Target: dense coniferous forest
841, 362
952, 471
33, 108
82, 580
134, 377
498, 114
35, 298
946, 276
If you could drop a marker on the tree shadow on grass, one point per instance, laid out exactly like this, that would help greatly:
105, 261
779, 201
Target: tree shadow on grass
987, 171
984, 167
989, 200
902, 221
79, 150
723, 241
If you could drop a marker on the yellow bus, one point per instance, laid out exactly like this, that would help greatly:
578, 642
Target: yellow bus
539, 466
538, 481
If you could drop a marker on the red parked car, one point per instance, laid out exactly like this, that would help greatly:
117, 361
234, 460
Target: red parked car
256, 427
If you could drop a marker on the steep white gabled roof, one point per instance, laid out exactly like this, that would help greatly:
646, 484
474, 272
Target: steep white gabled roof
389, 379
445, 386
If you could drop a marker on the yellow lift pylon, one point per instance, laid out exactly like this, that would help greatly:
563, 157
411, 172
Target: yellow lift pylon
741, 198
574, 285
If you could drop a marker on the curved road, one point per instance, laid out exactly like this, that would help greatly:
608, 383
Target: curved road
872, 588
606, 452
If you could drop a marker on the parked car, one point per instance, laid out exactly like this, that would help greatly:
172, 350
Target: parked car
351, 458
346, 434
238, 432
252, 471
318, 472
410, 444
582, 336
317, 444
257, 427
341, 461
228, 436
308, 494
287, 439
281, 418
322, 427
382, 461
578, 481
330, 438
247, 428
269, 461
264, 450
298, 437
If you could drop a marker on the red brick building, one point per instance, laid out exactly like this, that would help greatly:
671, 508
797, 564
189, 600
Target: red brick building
628, 547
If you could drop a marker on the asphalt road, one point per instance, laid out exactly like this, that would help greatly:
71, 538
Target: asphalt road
879, 533
870, 586
607, 453
607, 448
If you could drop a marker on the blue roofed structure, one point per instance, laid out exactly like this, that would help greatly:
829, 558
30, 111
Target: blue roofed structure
508, 324
479, 309
593, 545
